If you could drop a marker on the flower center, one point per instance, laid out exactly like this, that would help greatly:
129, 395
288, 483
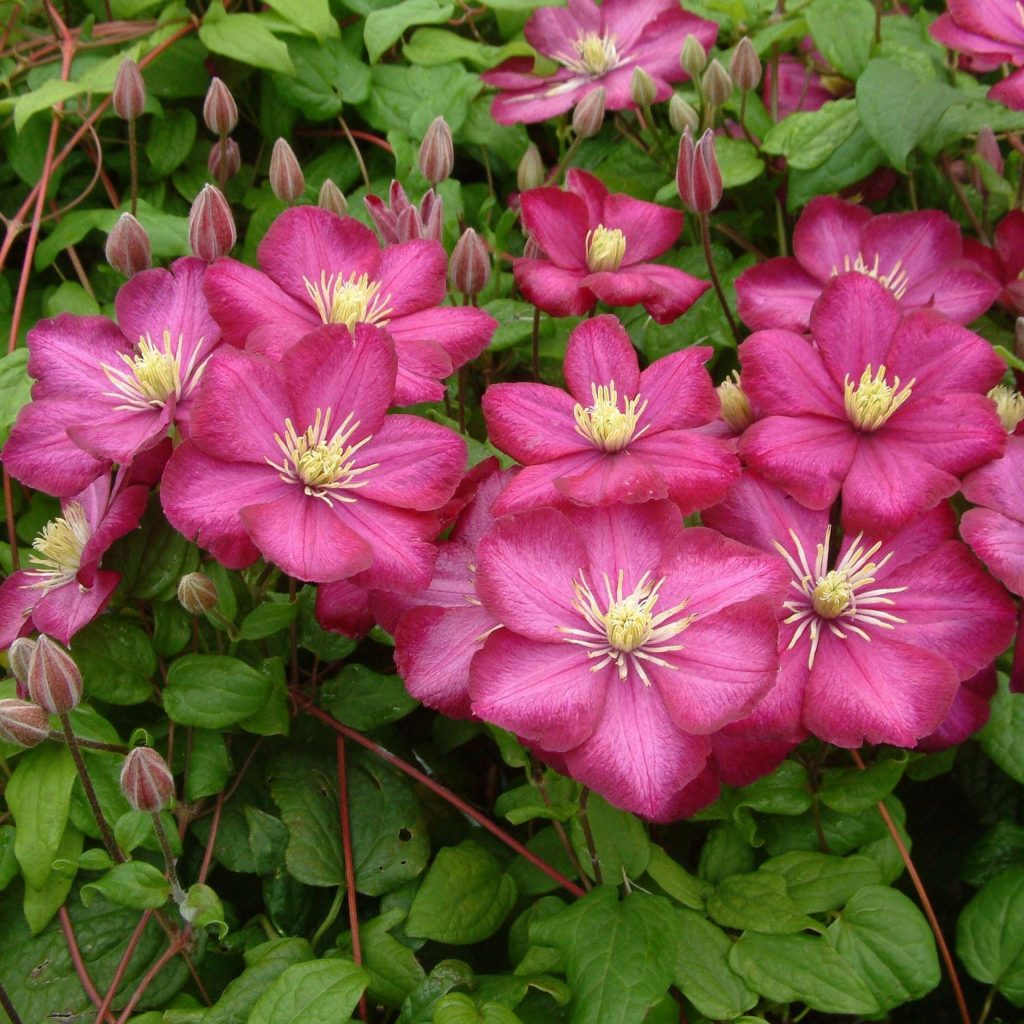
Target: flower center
322, 462
1009, 405
59, 547
736, 410
354, 300
832, 594
896, 280
153, 373
604, 424
871, 401
593, 55
623, 629
606, 248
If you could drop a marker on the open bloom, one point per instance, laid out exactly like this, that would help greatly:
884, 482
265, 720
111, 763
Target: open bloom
106, 391
297, 461
618, 435
1005, 260
597, 47
917, 256
319, 268
597, 245
625, 641
889, 411
878, 634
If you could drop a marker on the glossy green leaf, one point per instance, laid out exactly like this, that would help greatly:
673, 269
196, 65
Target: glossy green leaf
311, 16
264, 965
170, 141
15, 388
849, 790
757, 902
990, 934
317, 992
213, 691
702, 970
116, 659
817, 882
843, 30
1003, 736
134, 884
244, 37
384, 26
363, 699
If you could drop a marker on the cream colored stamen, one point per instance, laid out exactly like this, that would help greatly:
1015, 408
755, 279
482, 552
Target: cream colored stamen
1009, 405
606, 248
152, 374
59, 547
604, 424
592, 55
354, 300
896, 280
736, 410
832, 594
871, 401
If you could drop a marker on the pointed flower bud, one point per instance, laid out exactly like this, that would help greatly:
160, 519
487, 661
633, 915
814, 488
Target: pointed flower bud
54, 682
220, 112
332, 198
437, 153
470, 264
19, 657
225, 159
588, 116
530, 172
129, 96
694, 58
211, 228
286, 177
986, 148
717, 84
698, 177
642, 88
146, 781
128, 247
197, 593
681, 115
22, 723
745, 66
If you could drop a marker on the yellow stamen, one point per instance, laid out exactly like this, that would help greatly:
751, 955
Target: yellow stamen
153, 373
606, 248
736, 410
871, 401
59, 545
832, 594
897, 280
1009, 405
593, 54
354, 300
604, 424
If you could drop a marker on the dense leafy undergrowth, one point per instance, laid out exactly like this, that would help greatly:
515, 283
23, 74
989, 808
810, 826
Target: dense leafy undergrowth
445, 582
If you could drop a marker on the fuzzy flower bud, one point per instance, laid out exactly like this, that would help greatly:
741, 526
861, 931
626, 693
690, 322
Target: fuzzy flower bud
19, 657
128, 247
332, 198
225, 160
220, 112
54, 682
681, 115
588, 115
642, 88
987, 148
437, 153
694, 58
717, 84
286, 178
211, 228
197, 593
697, 174
129, 96
470, 264
146, 781
22, 723
530, 172
745, 66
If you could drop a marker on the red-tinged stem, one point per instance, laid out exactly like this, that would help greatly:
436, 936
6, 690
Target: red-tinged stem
133, 943
211, 842
176, 946
705, 237
961, 195
355, 149
79, 964
350, 866
8, 1006
926, 903
446, 794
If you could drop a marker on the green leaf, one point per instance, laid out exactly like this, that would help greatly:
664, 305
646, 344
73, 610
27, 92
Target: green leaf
244, 37
15, 388
407, 99
758, 902
1003, 736
202, 908
268, 619
8, 859
393, 968
738, 161
620, 954
384, 27
459, 1008
808, 139
71, 297
117, 660
311, 16
1001, 847
265, 964
817, 882
430, 46
365, 700
134, 884
327, 76
464, 898
889, 943
849, 790
702, 969
208, 764
171, 138
317, 992
559, 800
990, 935
801, 968
619, 838
51, 92
43, 901
153, 558
683, 887
268, 840
856, 158
844, 31
213, 691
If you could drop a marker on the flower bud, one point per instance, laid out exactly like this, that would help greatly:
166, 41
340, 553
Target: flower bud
22, 723
588, 116
220, 112
681, 115
530, 172
437, 153
286, 179
211, 228
470, 264
698, 177
128, 247
197, 593
19, 657
332, 198
225, 160
146, 781
745, 66
986, 148
694, 58
129, 96
642, 88
54, 682
717, 84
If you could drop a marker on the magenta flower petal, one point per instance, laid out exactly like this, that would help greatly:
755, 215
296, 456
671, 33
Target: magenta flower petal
650, 229
1010, 91
463, 333
18, 599
534, 486
619, 477
66, 610
402, 541
556, 291
985, 53
1000, 484
741, 759
532, 422
600, 351
921, 239
827, 233
992, 19
558, 221
538, 100
999, 542
422, 366
967, 714
109, 517
778, 293
678, 390
412, 276
665, 292
967, 290
785, 375
550, 28
343, 607
697, 470
630, 538
66, 356
119, 435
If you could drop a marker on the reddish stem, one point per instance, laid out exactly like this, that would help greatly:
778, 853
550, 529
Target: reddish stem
133, 943
176, 946
211, 841
350, 866
76, 958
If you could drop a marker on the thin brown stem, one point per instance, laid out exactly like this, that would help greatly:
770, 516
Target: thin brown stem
79, 963
122, 966
355, 149
8, 1006
350, 866
961, 195
90, 793
588, 835
176, 946
177, 893
133, 161
705, 237
211, 841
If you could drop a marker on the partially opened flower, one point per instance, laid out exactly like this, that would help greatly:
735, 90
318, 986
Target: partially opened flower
398, 220
319, 268
887, 411
597, 246
917, 256
104, 391
598, 47
618, 435
878, 636
1005, 260
297, 461
626, 641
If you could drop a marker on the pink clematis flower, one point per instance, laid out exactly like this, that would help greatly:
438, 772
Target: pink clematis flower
800, 87
597, 47
398, 220
319, 268
887, 410
969, 711
1005, 260
65, 589
104, 391
878, 637
618, 435
987, 34
626, 641
917, 256
297, 461
597, 245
